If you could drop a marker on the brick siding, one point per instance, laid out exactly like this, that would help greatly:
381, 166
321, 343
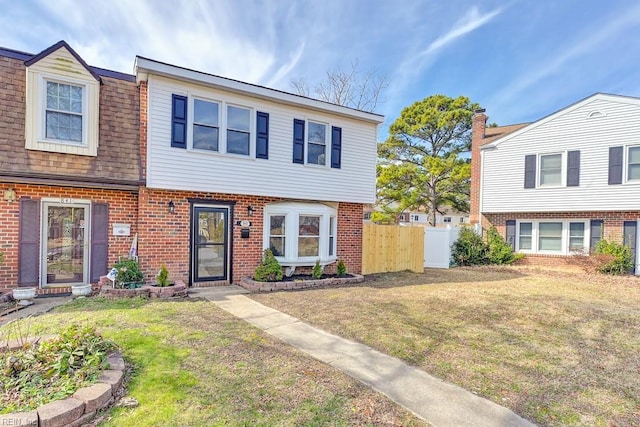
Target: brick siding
164, 238
122, 209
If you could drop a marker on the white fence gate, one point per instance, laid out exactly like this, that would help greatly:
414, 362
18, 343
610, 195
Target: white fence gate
438, 243
437, 246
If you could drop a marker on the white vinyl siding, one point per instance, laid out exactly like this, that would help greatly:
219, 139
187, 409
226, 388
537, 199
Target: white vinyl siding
198, 170
552, 236
502, 178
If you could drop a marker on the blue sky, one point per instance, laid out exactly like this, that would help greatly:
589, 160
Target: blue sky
519, 59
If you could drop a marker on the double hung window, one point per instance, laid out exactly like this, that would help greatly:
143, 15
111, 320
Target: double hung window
317, 143
633, 163
550, 169
64, 112
206, 125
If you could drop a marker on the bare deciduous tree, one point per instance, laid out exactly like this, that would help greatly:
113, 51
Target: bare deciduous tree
352, 88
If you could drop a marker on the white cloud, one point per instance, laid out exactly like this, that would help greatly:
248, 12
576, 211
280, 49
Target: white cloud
469, 22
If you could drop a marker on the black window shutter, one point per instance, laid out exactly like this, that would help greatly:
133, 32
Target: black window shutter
615, 165
29, 243
511, 233
99, 241
595, 233
630, 230
298, 141
530, 171
179, 121
573, 168
262, 135
336, 146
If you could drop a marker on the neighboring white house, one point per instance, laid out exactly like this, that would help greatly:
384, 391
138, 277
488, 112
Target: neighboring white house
246, 168
449, 217
558, 185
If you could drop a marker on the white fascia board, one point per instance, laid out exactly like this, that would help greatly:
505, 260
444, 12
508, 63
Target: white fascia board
143, 67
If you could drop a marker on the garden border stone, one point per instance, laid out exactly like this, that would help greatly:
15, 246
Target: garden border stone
79, 408
255, 286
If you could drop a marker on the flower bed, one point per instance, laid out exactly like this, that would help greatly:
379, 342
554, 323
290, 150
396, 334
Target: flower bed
61, 380
296, 283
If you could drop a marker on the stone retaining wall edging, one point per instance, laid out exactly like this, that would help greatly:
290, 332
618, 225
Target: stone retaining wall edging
77, 409
255, 286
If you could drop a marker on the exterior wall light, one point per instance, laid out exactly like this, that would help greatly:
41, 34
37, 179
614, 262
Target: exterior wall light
250, 210
9, 195
172, 207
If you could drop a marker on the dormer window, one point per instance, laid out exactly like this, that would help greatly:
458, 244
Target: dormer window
62, 103
64, 114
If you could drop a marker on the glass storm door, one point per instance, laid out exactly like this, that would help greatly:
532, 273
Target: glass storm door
65, 256
210, 243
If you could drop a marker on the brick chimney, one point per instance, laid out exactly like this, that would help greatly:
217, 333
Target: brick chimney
478, 126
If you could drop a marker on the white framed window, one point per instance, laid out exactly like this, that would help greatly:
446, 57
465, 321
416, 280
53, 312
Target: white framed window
332, 236
206, 125
561, 237
633, 163
218, 127
446, 219
525, 236
550, 169
415, 218
62, 113
317, 143
461, 220
301, 233
277, 234
238, 130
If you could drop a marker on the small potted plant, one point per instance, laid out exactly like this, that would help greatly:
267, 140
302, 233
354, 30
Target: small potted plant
128, 274
165, 288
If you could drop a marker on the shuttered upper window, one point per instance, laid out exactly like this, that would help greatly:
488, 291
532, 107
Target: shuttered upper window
318, 141
215, 126
552, 170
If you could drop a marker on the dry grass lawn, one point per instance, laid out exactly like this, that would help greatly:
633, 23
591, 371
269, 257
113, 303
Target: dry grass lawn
558, 348
196, 365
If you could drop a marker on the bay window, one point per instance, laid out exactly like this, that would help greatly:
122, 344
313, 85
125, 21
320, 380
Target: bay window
301, 233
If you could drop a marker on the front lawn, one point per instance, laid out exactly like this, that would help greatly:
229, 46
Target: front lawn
557, 348
196, 365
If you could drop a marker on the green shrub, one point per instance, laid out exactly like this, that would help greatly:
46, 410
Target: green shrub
499, 251
341, 269
316, 273
621, 258
128, 271
469, 249
163, 276
269, 269
1, 257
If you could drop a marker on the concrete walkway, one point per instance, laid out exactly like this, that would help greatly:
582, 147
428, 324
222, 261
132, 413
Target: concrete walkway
40, 305
437, 402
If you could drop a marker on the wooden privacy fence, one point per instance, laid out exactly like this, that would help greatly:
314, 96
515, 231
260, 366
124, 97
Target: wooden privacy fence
388, 248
